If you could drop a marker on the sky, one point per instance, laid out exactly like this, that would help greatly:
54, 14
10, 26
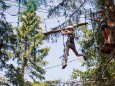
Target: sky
56, 50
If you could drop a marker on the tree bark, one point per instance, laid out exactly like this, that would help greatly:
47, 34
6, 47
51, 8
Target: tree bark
24, 61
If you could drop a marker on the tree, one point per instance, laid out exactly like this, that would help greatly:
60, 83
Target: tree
30, 37
70, 9
26, 36
37, 2
3, 5
7, 38
46, 83
28, 55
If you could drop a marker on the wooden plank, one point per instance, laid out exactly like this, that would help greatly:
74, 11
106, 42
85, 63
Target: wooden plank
55, 31
107, 48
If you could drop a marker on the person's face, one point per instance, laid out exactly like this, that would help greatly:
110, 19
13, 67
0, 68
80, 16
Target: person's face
70, 29
101, 13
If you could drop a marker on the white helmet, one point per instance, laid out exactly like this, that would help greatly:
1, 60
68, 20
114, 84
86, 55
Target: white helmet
69, 27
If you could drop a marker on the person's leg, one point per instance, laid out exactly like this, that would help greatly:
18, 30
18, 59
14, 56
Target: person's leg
108, 34
104, 32
105, 35
76, 53
66, 54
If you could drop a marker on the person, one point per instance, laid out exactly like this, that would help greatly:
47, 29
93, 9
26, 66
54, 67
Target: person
104, 25
69, 31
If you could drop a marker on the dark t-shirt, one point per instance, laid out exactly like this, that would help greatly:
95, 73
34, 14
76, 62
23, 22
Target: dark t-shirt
70, 38
103, 20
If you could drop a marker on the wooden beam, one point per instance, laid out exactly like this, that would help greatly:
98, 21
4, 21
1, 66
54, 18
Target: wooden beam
55, 31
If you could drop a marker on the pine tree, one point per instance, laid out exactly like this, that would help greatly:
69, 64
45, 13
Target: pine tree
16, 58
7, 38
29, 54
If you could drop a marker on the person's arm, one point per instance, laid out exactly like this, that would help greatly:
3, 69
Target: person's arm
64, 32
96, 20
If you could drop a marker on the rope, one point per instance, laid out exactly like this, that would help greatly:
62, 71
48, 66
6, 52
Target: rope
18, 22
25, 8
34, 36
61, 64
12, 14
41, 8
77, 9
46, 11
45, 24
63, 42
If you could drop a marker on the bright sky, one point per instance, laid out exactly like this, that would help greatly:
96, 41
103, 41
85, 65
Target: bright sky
56, 50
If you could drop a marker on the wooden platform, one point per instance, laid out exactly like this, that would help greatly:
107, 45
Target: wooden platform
107, 48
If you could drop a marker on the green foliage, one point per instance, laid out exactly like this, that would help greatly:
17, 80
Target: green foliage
67, 7
28, 4
98, 67
30, 37
3, 5
19, 60
45, 83
14, 75
101, 3
7, 39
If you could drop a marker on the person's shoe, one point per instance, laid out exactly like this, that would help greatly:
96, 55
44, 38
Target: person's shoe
85, 57
63, 67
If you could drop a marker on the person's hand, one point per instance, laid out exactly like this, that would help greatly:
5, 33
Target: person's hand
63, 31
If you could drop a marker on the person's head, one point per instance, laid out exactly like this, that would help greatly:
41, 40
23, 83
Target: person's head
70, 28
101, 12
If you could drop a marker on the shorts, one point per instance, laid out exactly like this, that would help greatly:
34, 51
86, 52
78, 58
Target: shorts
70, 45
103, 27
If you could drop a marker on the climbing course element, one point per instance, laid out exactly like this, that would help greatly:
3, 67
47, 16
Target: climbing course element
55, 31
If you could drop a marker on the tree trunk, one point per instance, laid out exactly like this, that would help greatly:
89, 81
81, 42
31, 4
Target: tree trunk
23, 71
24, 61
